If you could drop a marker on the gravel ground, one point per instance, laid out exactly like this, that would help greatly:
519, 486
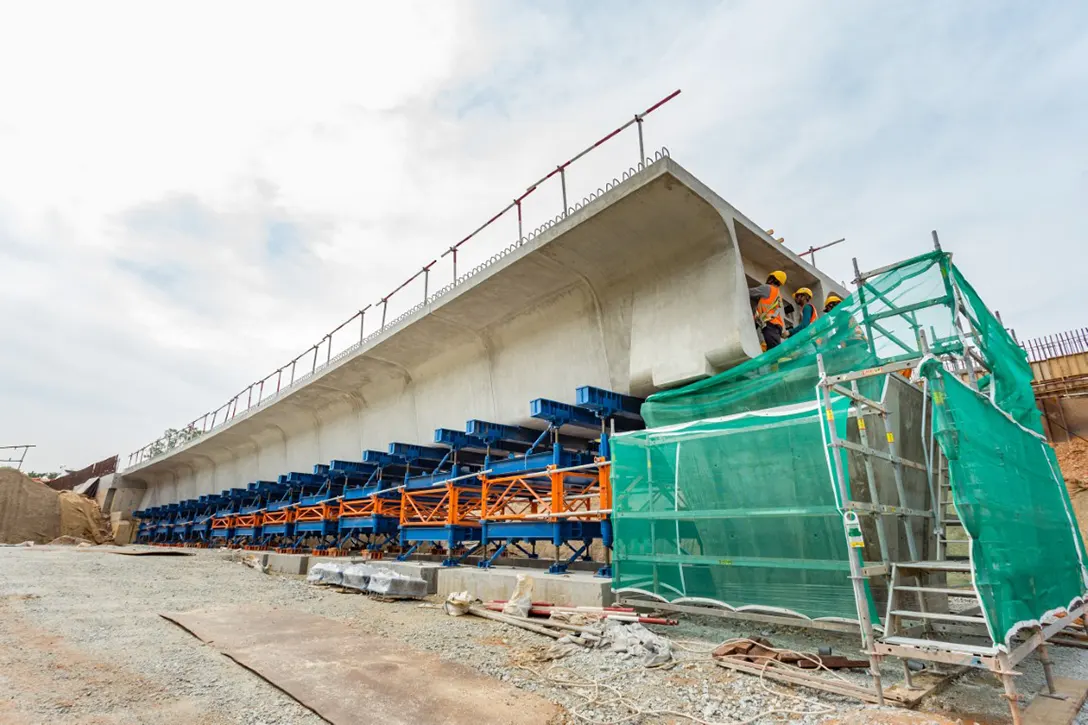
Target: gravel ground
81, 642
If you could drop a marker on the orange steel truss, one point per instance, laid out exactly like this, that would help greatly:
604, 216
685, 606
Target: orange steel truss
244, 521
223, 522
580, 495
454, 504
374, 505
280, 516
318, 512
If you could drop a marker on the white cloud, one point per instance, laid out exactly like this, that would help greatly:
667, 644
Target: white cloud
193, 193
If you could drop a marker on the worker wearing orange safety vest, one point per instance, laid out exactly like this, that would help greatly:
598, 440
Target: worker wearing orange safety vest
768, 312
803, 297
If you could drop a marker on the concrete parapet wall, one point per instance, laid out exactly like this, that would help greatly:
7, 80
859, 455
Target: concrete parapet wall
644, 288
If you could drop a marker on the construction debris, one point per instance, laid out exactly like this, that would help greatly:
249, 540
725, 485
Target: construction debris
615, 628
255, 562
633, 641
70, 541
80, 516
760, 651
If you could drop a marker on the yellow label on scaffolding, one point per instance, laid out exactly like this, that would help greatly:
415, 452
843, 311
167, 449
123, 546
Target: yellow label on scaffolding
938, 397
891, 438
861, 424
725, 562
830, 414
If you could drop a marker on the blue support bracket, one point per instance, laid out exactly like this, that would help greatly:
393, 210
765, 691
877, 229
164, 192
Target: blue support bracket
413, 452
560, 414
459, 439
607, 404
498, 433
382, 458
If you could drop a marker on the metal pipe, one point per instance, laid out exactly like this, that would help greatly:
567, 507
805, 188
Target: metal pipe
641, 146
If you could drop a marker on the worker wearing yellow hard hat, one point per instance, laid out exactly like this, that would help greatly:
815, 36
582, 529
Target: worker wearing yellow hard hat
768, 311
803, 297
831, 302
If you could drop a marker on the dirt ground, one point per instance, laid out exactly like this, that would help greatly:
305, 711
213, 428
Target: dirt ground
81, 641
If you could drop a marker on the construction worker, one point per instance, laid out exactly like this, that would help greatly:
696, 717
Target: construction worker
768, 312
856, 334
803, 297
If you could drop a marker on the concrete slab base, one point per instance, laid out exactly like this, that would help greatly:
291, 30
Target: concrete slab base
574, 589
285, 563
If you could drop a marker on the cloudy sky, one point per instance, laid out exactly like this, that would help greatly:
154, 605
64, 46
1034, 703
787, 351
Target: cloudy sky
193, 193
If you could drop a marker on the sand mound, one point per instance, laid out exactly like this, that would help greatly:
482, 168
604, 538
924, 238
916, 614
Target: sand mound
80, 517
29, 511
1073, 459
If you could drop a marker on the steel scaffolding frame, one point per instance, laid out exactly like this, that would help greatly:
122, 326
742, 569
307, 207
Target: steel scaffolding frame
934, 633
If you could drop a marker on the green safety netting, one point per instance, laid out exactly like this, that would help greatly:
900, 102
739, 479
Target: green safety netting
730, 494
741, 510
1026, 550
877, 324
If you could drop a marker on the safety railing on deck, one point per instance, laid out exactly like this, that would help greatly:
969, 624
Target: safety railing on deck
320, 355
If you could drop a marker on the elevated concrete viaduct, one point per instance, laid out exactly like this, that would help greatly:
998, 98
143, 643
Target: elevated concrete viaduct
643, 288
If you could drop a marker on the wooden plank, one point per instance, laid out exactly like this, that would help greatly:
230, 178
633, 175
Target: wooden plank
347, 677
1045, 710
926, 682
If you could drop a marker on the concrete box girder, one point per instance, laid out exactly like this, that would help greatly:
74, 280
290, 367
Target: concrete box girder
641, 289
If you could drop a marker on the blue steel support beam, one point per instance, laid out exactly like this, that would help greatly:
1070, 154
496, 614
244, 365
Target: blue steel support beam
560, 414
459, 440
607, 404
413, 452
497, 433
